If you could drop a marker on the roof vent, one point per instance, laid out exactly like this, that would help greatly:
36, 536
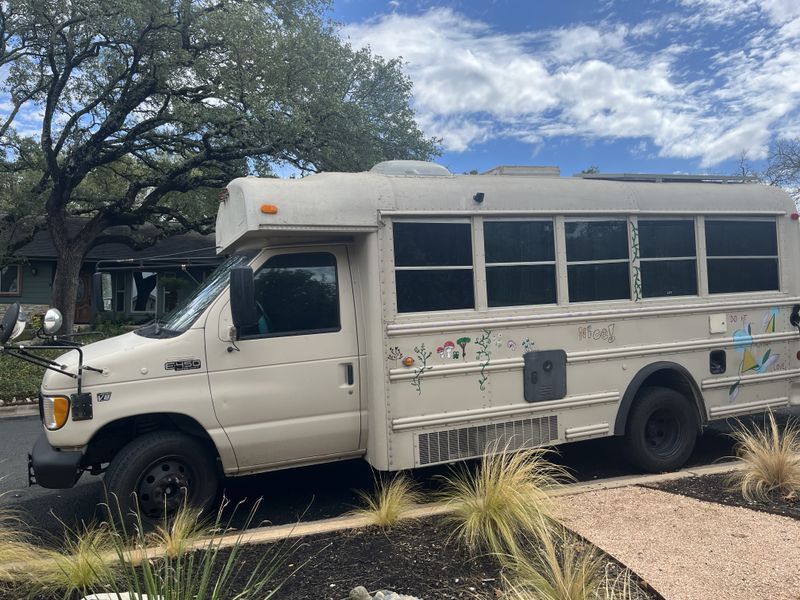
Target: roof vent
413, 168
529, 171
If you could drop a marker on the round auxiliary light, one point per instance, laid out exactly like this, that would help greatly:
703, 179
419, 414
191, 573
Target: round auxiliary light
52, 321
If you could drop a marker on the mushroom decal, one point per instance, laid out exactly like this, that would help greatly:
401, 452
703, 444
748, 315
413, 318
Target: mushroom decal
448, 349
440, 351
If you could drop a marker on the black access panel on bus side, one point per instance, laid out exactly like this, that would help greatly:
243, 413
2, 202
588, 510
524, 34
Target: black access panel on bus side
545, 375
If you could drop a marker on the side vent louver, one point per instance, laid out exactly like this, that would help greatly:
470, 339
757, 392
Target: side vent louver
471, 442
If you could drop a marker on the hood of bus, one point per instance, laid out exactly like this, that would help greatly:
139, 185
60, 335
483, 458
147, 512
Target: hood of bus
128, 358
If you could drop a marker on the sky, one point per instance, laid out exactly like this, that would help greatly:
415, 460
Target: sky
647, 86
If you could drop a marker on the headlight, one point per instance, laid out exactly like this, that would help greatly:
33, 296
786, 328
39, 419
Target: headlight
55, 410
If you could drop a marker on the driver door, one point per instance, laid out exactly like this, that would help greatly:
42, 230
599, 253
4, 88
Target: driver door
290, 393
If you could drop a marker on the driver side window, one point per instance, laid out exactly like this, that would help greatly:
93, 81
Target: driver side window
296, 294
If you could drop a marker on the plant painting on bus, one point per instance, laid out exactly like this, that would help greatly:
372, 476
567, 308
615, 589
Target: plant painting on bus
422, 357
637, 273
743, 343
484, 355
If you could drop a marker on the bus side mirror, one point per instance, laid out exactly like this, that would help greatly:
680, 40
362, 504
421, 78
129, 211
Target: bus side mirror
243, 298
101, 292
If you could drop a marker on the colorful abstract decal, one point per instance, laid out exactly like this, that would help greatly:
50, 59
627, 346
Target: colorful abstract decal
422, 365
484, 355
752, 363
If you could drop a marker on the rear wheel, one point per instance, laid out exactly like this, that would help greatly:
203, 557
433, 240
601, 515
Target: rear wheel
662, 430
156, 473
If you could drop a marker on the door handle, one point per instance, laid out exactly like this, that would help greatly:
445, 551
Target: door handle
348, 374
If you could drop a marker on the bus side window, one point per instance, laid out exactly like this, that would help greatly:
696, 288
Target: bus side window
668, 257
597, 260
433, 266
742, 255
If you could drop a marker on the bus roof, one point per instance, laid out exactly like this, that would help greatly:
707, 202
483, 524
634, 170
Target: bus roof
350, 203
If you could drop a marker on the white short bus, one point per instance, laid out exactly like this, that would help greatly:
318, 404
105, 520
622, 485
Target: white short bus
414, 317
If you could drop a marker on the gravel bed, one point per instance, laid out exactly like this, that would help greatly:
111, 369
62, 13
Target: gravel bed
688, 549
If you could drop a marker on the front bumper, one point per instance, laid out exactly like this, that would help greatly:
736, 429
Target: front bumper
51, 468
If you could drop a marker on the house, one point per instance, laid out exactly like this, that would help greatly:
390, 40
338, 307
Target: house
157, 277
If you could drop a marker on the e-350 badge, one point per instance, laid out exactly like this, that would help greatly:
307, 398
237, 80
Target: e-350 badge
183, 365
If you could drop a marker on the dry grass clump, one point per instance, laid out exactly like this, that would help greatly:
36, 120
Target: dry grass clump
504, 498
771, 460
179, 533
86, 564
390, 499
17, 551
558, 566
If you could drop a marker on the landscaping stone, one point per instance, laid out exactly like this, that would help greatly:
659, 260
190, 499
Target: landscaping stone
361, 593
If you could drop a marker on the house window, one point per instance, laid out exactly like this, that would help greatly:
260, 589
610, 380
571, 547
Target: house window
667, 257
742, 256
119, 291
10, 284
597, 260
144, 292
296, 294
520, 262
433, 266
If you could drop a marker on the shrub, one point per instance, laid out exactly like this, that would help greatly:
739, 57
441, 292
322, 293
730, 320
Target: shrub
771, 460
389, 500
504, 498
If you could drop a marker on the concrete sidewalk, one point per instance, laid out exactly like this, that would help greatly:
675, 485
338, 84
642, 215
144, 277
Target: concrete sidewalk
688, 549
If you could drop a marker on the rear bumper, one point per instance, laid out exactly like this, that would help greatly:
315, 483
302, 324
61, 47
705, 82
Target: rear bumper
51, 468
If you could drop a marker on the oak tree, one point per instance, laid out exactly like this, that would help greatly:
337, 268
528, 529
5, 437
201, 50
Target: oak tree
131, 112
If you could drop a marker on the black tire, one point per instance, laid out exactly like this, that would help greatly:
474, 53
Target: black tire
662, 430
157, 471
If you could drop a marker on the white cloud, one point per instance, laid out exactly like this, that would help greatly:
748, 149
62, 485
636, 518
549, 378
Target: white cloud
688, 96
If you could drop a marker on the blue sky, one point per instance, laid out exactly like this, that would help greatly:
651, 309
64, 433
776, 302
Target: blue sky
628, 85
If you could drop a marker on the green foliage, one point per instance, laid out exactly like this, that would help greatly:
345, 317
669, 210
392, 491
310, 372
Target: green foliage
505, 498
21, 379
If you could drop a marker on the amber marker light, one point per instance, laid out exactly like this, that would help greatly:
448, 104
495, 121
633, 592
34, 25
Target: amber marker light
408, 361
55, 411
269, 209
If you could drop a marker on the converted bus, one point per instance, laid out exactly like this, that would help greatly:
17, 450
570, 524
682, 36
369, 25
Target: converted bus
414, 317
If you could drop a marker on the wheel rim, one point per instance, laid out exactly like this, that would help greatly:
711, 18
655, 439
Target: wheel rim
164, 485
662, 433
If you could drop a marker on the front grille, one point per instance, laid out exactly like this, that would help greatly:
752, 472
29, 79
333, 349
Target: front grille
471, 442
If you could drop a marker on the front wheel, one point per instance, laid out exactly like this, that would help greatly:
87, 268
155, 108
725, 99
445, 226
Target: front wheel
156, 473
662, 430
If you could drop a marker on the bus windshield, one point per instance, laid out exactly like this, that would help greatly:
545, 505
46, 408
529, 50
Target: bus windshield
186, 313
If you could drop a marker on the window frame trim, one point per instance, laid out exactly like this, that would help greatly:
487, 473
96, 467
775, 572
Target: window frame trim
19, 291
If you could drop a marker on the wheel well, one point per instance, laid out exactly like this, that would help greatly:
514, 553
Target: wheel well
663, 374
111, 437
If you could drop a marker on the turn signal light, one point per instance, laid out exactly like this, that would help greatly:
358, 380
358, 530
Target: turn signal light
269, 209
55, 411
